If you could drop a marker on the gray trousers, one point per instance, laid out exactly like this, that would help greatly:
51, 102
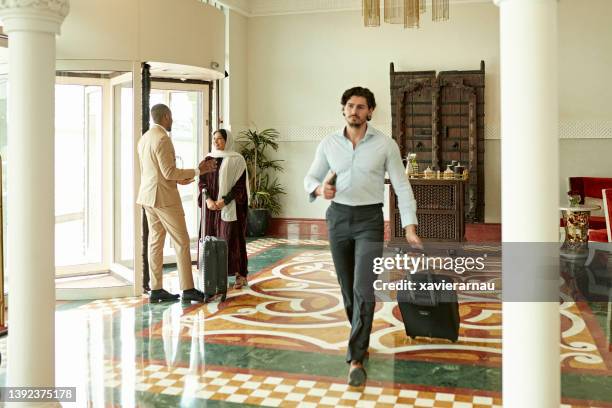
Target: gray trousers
356, 235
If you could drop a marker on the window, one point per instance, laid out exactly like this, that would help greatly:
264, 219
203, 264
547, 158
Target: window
124, 203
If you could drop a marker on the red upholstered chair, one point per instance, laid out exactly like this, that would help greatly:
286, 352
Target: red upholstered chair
591, 187
604, 235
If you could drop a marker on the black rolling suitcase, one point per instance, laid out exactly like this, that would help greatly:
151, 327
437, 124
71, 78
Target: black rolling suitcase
212, 263
430, 313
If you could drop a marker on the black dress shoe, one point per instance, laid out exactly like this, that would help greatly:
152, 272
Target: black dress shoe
192, 295
357, 376
161, 295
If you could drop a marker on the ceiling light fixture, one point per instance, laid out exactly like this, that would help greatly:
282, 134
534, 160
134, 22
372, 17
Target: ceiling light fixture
406, 12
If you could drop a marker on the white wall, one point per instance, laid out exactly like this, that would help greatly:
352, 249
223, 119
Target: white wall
584, 157
298, 66
185, 32
585, 59
238, 67
100, 30
585, 63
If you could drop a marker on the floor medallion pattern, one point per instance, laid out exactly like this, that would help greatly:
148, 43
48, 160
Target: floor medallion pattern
280, 342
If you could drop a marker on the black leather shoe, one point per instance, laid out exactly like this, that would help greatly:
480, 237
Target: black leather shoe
357, 376
192, 295
161, 295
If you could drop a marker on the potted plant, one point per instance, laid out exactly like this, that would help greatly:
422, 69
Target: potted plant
265, 190
573, 196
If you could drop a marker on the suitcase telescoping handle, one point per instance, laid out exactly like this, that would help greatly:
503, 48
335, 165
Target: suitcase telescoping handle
431, 291
419, 252
203, 214
203, 237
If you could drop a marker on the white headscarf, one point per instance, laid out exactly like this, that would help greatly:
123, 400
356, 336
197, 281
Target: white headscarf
232, 167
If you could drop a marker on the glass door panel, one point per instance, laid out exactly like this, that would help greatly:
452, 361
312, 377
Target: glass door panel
78, 175
187, 137
93, 177
124, 174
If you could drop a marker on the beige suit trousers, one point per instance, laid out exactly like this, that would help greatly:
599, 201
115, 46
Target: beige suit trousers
171, 220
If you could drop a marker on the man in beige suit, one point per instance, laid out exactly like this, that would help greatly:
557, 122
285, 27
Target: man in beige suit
160, 198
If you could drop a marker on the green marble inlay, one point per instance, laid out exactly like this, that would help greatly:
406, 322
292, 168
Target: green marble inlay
579, 386
319, 364
589, 387
151, 400
173, 350
272, 255
268, 256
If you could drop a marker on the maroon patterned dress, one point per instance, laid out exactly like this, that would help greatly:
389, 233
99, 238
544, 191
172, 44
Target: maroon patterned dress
234, 232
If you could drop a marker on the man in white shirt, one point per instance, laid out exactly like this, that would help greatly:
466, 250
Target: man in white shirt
161, 201
358, 157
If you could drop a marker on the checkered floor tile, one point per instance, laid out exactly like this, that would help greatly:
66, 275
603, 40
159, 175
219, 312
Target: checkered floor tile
285, 392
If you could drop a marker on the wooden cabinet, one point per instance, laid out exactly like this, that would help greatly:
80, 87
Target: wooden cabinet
440, 211
440, 117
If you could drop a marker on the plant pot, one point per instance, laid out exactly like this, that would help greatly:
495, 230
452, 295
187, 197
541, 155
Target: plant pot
258, 220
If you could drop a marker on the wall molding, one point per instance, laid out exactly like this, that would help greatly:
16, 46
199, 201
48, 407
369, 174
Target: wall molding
568, 129
242, 7
585, 129
263, 8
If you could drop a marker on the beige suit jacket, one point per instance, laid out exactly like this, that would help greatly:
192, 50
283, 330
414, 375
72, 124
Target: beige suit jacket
158, 170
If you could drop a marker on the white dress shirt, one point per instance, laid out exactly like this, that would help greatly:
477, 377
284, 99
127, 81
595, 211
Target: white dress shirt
361, 171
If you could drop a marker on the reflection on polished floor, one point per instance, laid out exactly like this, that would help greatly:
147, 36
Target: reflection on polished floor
281, 342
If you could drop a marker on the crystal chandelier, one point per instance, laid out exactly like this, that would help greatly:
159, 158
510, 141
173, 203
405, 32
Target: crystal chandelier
405, 12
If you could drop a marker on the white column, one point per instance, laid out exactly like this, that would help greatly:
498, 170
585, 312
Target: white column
31, 27
530, 191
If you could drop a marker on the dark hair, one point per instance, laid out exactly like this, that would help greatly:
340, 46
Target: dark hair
359, 91
222, 132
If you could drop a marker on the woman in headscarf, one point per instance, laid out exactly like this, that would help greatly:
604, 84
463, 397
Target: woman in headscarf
227, 195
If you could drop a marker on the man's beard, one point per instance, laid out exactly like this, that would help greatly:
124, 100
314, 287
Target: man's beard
354, 124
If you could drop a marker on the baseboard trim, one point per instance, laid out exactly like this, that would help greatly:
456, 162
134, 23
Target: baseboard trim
311, 228
315, 228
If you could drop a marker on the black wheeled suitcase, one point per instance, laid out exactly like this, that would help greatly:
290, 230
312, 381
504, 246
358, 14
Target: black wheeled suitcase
213, 267
430, 312
212, 263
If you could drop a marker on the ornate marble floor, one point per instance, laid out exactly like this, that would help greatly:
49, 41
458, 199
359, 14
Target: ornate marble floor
281, 342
